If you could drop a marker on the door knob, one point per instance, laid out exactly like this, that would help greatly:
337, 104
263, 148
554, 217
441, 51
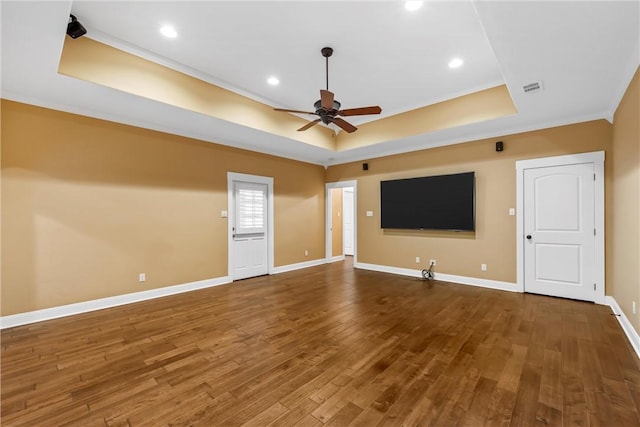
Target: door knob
528, 236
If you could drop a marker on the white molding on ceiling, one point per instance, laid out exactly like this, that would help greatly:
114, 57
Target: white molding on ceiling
176, 66
624, 82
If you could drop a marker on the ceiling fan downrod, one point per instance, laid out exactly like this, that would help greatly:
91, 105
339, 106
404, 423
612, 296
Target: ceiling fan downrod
327, 52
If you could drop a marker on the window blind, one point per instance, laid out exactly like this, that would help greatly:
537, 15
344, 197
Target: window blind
250, 208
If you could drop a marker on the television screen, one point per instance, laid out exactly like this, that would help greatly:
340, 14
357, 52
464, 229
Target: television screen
444, 202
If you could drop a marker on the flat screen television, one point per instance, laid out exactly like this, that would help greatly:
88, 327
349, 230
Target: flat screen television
443, 202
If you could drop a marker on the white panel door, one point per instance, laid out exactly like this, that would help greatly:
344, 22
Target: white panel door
559, 224
249, 230
347, 218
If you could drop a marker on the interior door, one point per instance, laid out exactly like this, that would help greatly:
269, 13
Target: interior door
249, 230
559, 231
347, 218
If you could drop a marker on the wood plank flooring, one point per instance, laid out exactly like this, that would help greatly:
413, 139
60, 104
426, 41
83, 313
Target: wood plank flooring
325, 346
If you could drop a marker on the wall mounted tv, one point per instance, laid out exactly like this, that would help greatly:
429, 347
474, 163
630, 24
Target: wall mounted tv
443, 202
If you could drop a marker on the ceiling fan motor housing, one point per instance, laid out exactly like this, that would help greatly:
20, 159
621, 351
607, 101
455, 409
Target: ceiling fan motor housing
326, 116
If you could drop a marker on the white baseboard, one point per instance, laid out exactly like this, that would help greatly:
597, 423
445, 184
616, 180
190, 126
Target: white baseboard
463, 280
337, 258
627, 327
102, 303
299, 265
475, 281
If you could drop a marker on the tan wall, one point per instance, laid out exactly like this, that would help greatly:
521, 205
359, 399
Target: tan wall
88, 204
494, 241
624, 269
336, 222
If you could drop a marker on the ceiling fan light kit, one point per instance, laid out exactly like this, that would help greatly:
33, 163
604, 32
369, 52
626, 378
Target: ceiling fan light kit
328, 109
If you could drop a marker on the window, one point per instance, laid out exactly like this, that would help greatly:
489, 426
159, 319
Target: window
251, 202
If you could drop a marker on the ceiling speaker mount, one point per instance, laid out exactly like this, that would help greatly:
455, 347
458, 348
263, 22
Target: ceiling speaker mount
75, 28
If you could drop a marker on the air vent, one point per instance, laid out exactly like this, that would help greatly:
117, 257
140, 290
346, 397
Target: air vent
532, 87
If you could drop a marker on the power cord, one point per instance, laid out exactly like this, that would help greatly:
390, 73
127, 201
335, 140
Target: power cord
427, 274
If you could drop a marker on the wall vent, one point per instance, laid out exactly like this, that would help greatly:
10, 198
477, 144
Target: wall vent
532, 87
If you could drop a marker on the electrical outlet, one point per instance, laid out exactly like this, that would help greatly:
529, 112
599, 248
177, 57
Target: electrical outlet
306, 252
417, 260
483, 267
633, 307
432, 262
142, 277
512, 211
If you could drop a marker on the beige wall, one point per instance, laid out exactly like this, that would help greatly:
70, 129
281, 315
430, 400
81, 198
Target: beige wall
624, 269
88, 204
494, 241
336, 222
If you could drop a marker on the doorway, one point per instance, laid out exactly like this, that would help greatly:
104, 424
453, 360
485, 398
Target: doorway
250, 225
341, 227
561, 226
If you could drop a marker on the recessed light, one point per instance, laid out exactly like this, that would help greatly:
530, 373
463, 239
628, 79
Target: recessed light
169, 31
413, 5
273, 81
455, 63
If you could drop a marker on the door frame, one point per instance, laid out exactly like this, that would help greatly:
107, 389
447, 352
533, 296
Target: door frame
597, 159
256, 179
327, 232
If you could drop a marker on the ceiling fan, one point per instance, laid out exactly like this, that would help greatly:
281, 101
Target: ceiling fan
328, 109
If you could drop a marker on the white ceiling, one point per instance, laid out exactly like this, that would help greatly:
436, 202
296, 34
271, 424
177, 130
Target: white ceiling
584, 52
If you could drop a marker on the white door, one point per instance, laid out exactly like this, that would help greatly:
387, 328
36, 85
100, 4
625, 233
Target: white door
249, 230
347, 218
559, 231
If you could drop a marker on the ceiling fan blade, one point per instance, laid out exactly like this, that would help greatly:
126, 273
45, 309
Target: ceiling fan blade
326, 99
360, 111
346, 126
293, 111
308, 125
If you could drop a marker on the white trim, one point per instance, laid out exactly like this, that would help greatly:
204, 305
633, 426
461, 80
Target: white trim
476, 281
624, 83
595, 157
102, 303
442, 138
122, 45
268, 181
337, 258
388, 269
114, 301
627, 327
299, 265
327, 231
462, 280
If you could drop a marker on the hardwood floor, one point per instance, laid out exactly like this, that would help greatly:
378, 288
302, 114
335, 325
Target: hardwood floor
325, 346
